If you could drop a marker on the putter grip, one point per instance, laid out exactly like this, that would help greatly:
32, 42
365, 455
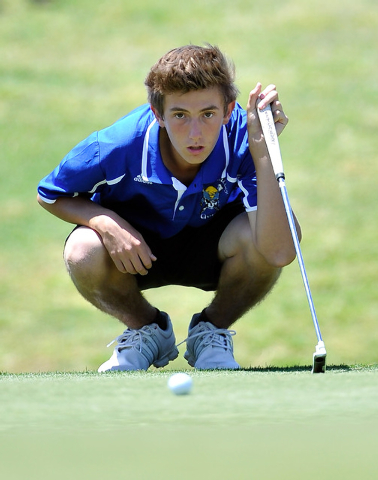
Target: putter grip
271, 140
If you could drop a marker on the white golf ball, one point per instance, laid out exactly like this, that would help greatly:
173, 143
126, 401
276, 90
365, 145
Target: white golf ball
180, 383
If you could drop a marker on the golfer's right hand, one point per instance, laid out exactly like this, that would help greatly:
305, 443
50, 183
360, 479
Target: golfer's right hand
126, 247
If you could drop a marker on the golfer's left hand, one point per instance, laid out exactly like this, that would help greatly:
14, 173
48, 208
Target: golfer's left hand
265, 97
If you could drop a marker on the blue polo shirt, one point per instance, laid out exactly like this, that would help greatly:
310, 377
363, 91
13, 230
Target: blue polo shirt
120, 167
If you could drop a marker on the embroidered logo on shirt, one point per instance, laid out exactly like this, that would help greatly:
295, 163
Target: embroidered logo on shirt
140, 179
210, 199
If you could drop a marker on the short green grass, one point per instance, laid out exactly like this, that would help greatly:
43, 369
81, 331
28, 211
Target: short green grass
91, 401
260, 423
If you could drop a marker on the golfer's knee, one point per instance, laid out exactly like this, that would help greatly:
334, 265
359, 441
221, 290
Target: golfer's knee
84, 254
244, 245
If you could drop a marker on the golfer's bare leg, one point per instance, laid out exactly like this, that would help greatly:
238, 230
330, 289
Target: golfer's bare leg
98, 280
245, 278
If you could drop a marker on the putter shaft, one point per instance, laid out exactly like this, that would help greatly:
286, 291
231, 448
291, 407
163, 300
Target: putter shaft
285, 198
272, 143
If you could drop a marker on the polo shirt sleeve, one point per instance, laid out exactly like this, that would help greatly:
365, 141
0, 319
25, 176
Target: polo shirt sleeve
247, 182
78, 173
242, 159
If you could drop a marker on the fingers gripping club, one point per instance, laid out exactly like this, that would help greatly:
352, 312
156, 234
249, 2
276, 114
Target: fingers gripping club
271, 140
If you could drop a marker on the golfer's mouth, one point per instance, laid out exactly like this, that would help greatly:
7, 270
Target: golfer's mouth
196, 149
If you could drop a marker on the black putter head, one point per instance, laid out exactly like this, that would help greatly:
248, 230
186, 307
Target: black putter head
319, 359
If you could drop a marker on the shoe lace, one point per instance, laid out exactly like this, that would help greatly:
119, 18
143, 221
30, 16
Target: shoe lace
219, 337
132, 338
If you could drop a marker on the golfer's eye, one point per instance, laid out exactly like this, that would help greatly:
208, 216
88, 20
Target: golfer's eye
179, 115
209, 114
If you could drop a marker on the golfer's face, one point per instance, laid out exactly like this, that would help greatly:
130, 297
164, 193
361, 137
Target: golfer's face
193, 121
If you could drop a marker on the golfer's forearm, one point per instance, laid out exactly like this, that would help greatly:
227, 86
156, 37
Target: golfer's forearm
272, 239
272, 221
270, 226
79, 211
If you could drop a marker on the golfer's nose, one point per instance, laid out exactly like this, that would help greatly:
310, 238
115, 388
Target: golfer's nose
195, 130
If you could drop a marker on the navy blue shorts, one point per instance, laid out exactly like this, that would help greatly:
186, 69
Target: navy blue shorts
189, 258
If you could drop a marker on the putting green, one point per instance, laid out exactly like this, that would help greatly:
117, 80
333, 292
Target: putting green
244, 425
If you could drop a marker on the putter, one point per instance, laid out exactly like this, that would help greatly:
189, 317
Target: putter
271, 140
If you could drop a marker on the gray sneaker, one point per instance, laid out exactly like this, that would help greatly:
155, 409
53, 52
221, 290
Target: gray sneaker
209, 347
141, 348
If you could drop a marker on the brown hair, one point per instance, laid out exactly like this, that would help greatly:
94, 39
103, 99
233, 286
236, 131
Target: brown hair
189, 68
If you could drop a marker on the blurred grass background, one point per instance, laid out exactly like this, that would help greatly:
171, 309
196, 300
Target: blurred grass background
69, 67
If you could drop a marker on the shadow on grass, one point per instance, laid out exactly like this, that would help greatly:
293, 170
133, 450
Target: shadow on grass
299, 368
267, 369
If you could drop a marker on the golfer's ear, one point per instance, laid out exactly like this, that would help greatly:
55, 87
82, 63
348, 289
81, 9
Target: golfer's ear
230, 109
158, 116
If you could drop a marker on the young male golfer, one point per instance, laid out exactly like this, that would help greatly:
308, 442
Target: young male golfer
180, 191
